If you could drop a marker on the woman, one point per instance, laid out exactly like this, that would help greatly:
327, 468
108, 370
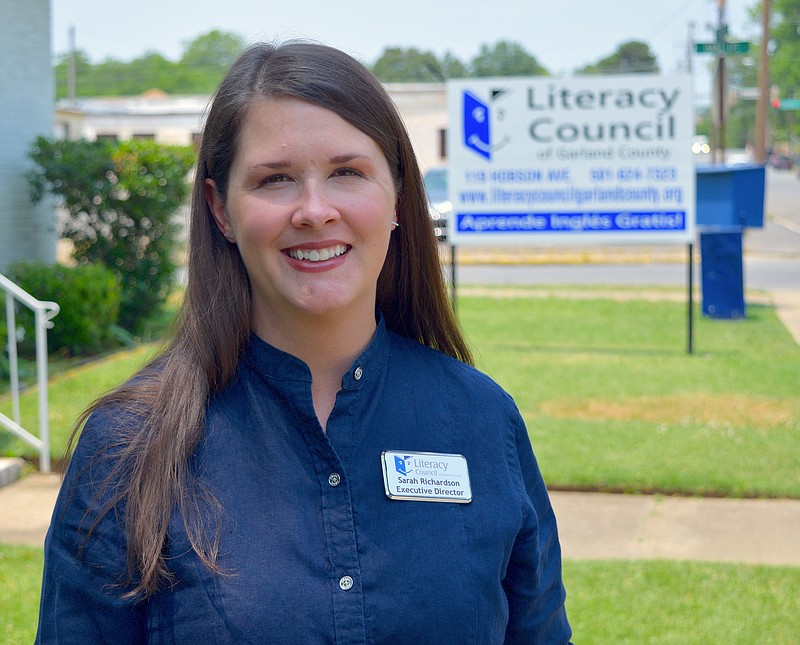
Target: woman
270, 477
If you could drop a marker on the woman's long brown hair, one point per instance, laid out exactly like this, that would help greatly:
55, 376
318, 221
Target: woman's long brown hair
162, 409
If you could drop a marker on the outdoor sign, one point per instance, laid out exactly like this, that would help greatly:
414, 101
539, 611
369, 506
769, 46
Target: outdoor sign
723, 48
581, 160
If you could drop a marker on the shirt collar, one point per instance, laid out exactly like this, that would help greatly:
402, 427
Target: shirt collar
279, 365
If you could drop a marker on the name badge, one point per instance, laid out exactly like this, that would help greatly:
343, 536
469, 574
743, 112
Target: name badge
426, 477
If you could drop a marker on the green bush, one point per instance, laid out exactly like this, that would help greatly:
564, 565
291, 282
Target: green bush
89, 298
120, 201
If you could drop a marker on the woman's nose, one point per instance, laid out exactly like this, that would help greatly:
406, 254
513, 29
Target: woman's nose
314, 208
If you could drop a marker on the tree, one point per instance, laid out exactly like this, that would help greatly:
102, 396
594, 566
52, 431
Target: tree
632, 57
398, 65
201, 67
216, 50
83, 67
506, 59
784, 34
783, 68
452, 67
154, 71
206, 59
120, 200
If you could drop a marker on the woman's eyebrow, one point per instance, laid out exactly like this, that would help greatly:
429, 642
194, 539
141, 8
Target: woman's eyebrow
349, 156
272, 165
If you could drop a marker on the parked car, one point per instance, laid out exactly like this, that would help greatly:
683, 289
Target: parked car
781, 161
439, 204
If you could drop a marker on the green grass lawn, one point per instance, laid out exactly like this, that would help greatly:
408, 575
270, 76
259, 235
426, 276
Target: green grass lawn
612, 399
70, 392
20, 583
652, 602
682, 603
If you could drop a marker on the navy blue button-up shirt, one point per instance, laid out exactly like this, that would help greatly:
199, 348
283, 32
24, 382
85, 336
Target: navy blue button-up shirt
312, 550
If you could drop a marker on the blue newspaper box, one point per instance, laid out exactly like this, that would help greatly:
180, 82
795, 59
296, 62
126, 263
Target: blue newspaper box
729, 199
730, 196
722, 273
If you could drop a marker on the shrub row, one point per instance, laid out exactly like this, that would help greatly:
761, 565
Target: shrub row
89, 298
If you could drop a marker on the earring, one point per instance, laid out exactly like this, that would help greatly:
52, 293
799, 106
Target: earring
395, 224
229, 237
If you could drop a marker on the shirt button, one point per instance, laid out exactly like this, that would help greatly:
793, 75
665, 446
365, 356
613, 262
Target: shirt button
345, 583
358, 374
334, 479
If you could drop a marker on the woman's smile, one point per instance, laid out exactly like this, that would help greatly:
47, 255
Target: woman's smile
318, 255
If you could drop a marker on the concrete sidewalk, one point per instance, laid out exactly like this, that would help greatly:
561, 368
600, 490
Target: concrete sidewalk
592, 525
26, 507
650, 527
787, 306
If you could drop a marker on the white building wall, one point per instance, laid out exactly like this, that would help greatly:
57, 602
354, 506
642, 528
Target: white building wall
423, 107
27, 231
178, 119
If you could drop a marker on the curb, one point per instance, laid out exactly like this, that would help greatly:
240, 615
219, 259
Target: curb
10, 470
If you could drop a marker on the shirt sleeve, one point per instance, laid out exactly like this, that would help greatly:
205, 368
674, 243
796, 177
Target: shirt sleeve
82, 595
533, 582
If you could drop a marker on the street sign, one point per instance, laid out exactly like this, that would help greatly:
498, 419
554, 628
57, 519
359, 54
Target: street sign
705, 48
738, 47
724, 48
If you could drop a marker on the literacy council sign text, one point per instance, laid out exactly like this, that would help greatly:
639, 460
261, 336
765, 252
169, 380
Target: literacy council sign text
595, 159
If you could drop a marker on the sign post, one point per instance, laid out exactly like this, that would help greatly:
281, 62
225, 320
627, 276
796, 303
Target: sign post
581, 160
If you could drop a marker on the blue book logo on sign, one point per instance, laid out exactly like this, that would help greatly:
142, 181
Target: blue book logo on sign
401, 466
476, 126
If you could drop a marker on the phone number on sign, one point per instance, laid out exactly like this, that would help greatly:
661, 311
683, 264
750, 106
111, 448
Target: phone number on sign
650, 173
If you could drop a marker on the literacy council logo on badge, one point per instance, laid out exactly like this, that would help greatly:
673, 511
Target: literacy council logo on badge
401, 465
426, 477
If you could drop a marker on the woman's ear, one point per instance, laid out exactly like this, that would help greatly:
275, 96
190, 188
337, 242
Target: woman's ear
217, 207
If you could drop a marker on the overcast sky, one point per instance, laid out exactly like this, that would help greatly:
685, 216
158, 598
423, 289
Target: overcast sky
562, 34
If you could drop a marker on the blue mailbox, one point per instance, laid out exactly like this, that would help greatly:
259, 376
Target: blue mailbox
730, 196
729, 199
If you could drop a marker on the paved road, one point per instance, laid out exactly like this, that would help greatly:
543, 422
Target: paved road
771, 255
763, 274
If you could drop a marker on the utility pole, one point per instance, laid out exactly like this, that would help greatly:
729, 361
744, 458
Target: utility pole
721, 47
720, 93
763, 85
71, 68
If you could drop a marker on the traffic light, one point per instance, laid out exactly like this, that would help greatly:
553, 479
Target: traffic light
775, 96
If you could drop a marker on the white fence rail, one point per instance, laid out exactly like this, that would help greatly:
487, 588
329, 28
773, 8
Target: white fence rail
44, 312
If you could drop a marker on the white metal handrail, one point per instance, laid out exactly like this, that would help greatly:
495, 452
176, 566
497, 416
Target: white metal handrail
44, 312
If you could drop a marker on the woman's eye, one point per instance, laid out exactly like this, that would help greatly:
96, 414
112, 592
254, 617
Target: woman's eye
347, 172
274, 179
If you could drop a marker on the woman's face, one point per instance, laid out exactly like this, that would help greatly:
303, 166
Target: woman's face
310, 205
